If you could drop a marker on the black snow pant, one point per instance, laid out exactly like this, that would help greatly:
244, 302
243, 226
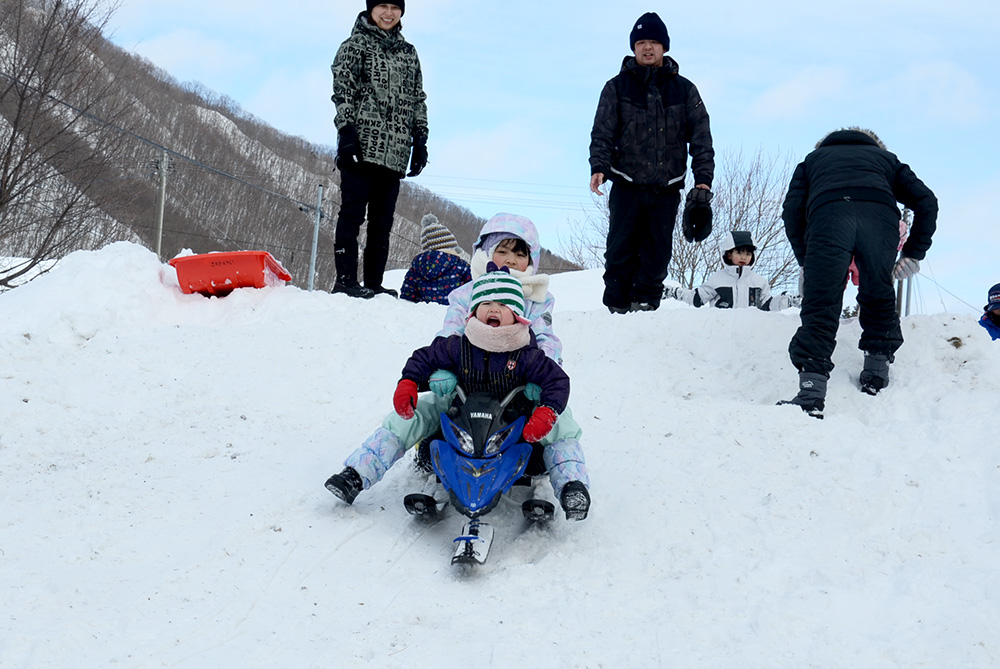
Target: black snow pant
836, 232
640, 240
364, 187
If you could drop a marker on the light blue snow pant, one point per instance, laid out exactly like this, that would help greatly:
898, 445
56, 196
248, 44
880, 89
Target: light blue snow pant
562, 455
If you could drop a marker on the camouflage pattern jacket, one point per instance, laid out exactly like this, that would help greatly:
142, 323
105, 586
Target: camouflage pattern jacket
379, 89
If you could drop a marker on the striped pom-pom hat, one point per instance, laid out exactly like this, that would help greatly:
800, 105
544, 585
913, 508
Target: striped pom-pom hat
497, 285
434, 236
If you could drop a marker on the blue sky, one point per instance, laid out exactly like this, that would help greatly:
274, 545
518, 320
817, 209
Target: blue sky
512, 89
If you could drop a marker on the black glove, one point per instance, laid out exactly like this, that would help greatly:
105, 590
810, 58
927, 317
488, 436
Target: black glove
700, 196
697, 218
418, 161
348, 147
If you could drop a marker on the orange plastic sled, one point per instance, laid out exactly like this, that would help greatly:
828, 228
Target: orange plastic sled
219, 274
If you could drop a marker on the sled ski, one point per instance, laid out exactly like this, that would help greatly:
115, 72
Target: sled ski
472, 547
423, 506
535, 510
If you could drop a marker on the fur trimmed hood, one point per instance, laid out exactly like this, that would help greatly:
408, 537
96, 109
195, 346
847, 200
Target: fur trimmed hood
851, 135
536, 286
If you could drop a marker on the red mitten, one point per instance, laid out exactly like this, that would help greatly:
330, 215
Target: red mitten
541, 421
405, 398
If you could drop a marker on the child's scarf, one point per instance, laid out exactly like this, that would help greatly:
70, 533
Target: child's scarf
503, 339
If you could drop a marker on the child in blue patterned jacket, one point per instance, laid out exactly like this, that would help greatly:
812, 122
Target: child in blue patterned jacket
439, 268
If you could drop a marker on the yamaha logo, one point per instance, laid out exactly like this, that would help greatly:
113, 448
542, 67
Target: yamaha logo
481, 415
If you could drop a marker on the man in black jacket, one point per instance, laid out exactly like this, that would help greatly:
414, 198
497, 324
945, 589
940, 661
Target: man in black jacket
841, 203
649, 118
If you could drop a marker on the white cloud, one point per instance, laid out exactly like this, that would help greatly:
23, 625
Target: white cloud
803, 93
192, 55
297, 102
942, 91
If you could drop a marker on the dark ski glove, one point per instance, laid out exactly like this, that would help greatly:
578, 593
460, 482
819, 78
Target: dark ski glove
541, 422
700, 196
404, 400
673, 293
418, 161
348, 147
697, 217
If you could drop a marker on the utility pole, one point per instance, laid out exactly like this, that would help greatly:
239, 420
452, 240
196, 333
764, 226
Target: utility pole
312, 258
164, 163
900, 311
909, 290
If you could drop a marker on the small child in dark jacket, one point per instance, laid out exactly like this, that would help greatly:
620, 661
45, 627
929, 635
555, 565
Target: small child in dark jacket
991, 313
439, 268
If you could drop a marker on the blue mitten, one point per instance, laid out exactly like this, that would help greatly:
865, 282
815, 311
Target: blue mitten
533, 392
442, 382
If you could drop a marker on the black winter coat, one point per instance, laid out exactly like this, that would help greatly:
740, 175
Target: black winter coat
646, 120
852, 165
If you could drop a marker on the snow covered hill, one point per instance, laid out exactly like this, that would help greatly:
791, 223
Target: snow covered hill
162, 459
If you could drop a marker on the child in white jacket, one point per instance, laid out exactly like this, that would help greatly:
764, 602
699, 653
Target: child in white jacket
735, 285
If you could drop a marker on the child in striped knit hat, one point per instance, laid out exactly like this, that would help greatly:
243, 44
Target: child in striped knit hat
497, 326
438, 269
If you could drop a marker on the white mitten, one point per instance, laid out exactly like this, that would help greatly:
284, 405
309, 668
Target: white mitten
905, 268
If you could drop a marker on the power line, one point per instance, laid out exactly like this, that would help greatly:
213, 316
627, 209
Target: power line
498, 181
940, 288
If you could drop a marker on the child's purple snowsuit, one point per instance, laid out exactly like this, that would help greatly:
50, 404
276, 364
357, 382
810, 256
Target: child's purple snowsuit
432, 275
563, 457
496, 373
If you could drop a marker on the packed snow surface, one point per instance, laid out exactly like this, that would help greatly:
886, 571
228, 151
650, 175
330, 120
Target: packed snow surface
162, 459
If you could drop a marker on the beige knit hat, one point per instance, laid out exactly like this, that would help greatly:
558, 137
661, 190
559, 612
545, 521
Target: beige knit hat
434, 236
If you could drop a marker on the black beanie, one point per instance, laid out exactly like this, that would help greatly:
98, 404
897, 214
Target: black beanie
372, 4
649, 26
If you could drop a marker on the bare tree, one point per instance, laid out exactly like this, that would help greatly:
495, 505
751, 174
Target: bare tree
57, 104
588, 239
748, 196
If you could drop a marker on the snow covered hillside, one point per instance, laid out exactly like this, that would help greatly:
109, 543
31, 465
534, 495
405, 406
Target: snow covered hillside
162, 459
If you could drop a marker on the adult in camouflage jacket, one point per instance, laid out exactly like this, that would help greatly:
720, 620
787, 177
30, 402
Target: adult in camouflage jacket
648, 120
382, 127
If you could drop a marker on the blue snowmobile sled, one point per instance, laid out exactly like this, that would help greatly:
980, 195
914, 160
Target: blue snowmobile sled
478, 457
